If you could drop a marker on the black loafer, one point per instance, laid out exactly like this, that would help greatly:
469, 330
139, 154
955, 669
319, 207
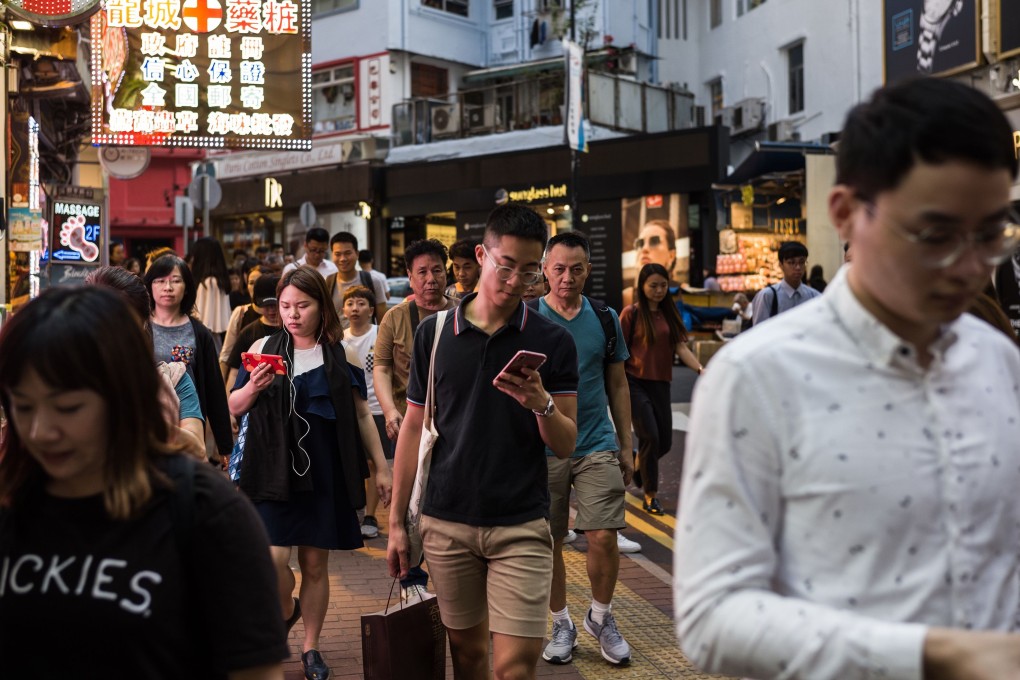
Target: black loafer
289, 623
315, 667
653, 508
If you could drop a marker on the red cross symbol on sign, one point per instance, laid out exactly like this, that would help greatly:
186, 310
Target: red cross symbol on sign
202, 16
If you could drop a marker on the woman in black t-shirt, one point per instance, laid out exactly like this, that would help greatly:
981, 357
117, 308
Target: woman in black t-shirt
118, 557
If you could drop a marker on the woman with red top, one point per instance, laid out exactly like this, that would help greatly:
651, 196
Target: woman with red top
654, 332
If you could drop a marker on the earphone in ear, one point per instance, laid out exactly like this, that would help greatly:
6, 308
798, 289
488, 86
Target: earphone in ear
308, 427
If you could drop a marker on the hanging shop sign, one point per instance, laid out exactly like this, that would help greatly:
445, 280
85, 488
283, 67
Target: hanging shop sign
77, 229
52, 13
203, 73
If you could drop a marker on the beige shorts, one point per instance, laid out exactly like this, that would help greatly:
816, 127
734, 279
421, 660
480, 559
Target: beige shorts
503, 573
598, 483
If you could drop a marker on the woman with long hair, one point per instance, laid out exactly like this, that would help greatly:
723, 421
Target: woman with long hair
304, 455
212, 297
177, 336
655, 333
107, 534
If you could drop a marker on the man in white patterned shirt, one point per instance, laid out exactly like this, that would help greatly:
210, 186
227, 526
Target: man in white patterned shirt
849, 506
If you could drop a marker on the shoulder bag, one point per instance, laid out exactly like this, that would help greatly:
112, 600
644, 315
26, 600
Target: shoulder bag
429, 435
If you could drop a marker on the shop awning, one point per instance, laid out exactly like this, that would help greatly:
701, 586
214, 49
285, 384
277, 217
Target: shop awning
773, 158
761, 163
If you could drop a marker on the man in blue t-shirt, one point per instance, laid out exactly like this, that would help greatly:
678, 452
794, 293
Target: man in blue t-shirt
596, 470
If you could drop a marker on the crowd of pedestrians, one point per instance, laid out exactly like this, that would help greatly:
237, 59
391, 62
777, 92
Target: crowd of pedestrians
847, 508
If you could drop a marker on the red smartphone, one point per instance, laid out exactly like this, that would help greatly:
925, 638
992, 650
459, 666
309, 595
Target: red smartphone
252, 359
524, 359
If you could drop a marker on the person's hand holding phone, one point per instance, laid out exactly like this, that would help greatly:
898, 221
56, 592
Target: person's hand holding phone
262, 377
521, 380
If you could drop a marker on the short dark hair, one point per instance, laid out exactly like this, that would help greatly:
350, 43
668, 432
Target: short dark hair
364, 256
570, 239
426, 246
927, 120
464, 248
344, 237
360, 292
315, 234
514, 219
161, 267
791, 249
262, 250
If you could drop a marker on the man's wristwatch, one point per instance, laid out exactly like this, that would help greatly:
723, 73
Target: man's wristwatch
549, 409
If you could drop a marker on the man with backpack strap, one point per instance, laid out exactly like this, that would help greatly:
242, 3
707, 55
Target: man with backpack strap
344, 251
599, 469
789, 292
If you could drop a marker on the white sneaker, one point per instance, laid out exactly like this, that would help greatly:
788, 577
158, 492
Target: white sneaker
571, 536
626, 545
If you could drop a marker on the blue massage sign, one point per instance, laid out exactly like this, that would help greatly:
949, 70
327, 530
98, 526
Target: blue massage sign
77, 230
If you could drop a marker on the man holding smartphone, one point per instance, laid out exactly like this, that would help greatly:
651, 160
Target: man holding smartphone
485, 521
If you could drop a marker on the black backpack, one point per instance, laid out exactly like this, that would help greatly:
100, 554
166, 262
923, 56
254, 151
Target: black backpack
605, 316
774, 305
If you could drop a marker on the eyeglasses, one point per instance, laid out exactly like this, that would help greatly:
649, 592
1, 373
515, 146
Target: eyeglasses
507, 273
653, 241
175, 281
316, 251
941, 245
799, 262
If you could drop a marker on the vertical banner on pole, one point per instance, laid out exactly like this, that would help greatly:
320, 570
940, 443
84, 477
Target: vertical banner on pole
575, 98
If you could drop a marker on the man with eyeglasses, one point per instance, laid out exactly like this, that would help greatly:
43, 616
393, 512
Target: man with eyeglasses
849, 507
316, 247
789, 292
598, 469
485, 522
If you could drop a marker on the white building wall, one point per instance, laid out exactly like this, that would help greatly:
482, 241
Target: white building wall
842, 57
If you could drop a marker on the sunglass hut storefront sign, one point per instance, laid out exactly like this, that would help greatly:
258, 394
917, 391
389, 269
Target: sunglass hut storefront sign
202, 73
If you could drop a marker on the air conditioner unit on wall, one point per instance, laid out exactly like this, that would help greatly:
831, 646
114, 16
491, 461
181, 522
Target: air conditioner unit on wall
748, 115
445, 120
481, 117
723, 117
782, 131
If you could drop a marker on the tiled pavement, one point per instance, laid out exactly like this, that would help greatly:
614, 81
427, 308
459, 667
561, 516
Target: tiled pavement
643, 607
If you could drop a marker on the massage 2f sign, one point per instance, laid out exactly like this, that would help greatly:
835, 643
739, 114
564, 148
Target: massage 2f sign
77, 222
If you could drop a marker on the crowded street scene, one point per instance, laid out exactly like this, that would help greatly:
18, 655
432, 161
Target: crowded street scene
472, 339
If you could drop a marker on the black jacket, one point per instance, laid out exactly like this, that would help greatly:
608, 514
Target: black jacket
209, 384
266, 472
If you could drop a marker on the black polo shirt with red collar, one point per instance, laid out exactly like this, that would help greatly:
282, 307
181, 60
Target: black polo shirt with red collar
488, 465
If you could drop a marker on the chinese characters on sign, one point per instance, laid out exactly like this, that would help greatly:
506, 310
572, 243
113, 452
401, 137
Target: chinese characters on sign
201, 73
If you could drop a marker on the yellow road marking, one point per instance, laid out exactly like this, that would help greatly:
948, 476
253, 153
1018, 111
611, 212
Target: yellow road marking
650, 531
668, 520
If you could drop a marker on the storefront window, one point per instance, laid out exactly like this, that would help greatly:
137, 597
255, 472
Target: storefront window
334, 100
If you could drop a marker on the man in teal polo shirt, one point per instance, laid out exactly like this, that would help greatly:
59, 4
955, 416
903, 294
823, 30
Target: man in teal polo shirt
597, 471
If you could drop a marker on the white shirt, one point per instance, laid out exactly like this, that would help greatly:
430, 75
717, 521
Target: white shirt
789, 297
363, 347
212, 306
838, 499
326, 266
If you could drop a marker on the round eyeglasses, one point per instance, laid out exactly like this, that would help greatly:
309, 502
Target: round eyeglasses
506, 273
941, 245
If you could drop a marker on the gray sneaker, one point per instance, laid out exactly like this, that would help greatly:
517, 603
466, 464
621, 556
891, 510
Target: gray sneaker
615, 649
561, 647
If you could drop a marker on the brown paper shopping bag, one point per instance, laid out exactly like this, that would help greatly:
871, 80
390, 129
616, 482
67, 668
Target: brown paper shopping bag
405, 641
